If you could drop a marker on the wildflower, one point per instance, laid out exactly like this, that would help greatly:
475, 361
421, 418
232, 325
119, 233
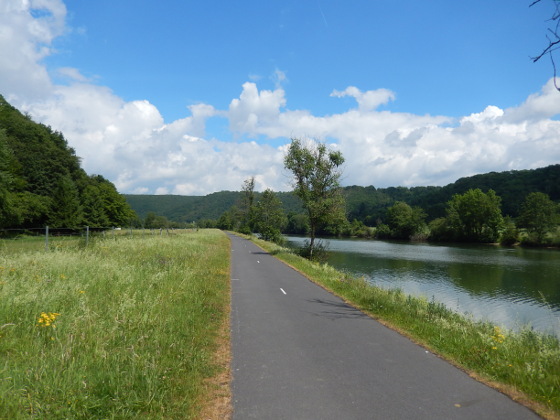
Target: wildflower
82, 291
498, 337
62, 277
46, 319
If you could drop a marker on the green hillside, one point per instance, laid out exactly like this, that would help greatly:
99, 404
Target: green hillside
42, 182
367, 204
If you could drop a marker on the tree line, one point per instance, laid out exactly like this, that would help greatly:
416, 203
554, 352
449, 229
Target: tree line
472, 216
42, 182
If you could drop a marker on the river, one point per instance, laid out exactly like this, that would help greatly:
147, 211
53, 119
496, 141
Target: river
510, 287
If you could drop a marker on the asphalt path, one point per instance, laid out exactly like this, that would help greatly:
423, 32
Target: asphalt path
299, 352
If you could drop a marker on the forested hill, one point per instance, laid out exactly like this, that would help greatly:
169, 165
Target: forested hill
368, 204
42, 182
179, 208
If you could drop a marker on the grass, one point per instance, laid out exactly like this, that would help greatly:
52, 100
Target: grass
127, 327
524, 365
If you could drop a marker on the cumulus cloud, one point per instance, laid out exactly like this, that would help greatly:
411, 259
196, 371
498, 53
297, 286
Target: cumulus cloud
129, 142
367, 101
27, 29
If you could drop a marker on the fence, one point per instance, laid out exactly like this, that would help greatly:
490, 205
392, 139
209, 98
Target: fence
47, 237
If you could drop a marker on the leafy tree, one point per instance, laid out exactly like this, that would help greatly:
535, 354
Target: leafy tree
475, 216
539, 214
510, 235
66, 209
440, 230
94, 207
228, 219
269, 218
404, 221
153, 221
316, 182
297, 223
6, 212
116, 208
247, 207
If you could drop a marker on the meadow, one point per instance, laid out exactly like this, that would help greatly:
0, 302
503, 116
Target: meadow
125, 327
524, 365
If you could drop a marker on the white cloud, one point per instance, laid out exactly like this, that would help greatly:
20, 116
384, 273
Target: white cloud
130, 144
367, 101
25, 40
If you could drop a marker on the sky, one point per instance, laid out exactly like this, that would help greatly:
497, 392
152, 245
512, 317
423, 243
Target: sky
192, 97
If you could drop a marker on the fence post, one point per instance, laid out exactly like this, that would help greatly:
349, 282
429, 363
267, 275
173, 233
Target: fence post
46, 238
87, 235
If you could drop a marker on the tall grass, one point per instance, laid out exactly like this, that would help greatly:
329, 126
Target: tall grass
525, 365
123, 328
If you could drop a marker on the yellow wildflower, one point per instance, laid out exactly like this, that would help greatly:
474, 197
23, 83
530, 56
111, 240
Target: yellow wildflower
46, 319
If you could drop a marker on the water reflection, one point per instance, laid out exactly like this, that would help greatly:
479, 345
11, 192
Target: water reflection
508, 286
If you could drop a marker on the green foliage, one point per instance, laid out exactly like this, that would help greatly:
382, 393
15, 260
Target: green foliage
298, 223
154, 221
475, 216
367, 205
269, 219
539, 215
510, 235
42, 183
247, 205
316, 183
404, 222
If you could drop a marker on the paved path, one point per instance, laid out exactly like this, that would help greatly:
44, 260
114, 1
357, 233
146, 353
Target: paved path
301, 353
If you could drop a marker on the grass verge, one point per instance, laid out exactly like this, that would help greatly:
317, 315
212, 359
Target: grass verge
524, 365
123, 328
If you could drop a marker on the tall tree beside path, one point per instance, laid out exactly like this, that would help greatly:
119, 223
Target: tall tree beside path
268, 216
316, 172
247, 206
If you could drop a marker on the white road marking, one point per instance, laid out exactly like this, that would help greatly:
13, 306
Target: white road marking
283, 291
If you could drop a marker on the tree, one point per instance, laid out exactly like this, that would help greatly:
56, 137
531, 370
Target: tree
539, 214
246, 208
405, 221
94, 207
269, 218
316, 182
6, 205
66, 211
475, 216
553, 37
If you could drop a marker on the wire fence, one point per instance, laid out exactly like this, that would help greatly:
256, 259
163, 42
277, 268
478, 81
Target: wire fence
19, 239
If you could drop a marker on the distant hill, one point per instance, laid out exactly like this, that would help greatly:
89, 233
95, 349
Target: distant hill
179, 208
367, 204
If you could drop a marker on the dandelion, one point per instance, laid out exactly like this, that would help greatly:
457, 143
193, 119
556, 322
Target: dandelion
499, 336
46, 319
62, 277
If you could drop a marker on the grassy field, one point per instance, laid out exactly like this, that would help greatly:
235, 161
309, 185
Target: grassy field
127, 327
524, 365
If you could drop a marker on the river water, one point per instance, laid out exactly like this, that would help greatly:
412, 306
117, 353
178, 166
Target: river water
510, 287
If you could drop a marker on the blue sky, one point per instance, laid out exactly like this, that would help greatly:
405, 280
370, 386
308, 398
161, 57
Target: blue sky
190, 97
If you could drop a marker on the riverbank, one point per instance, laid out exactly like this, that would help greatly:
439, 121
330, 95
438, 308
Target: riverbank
524, 365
